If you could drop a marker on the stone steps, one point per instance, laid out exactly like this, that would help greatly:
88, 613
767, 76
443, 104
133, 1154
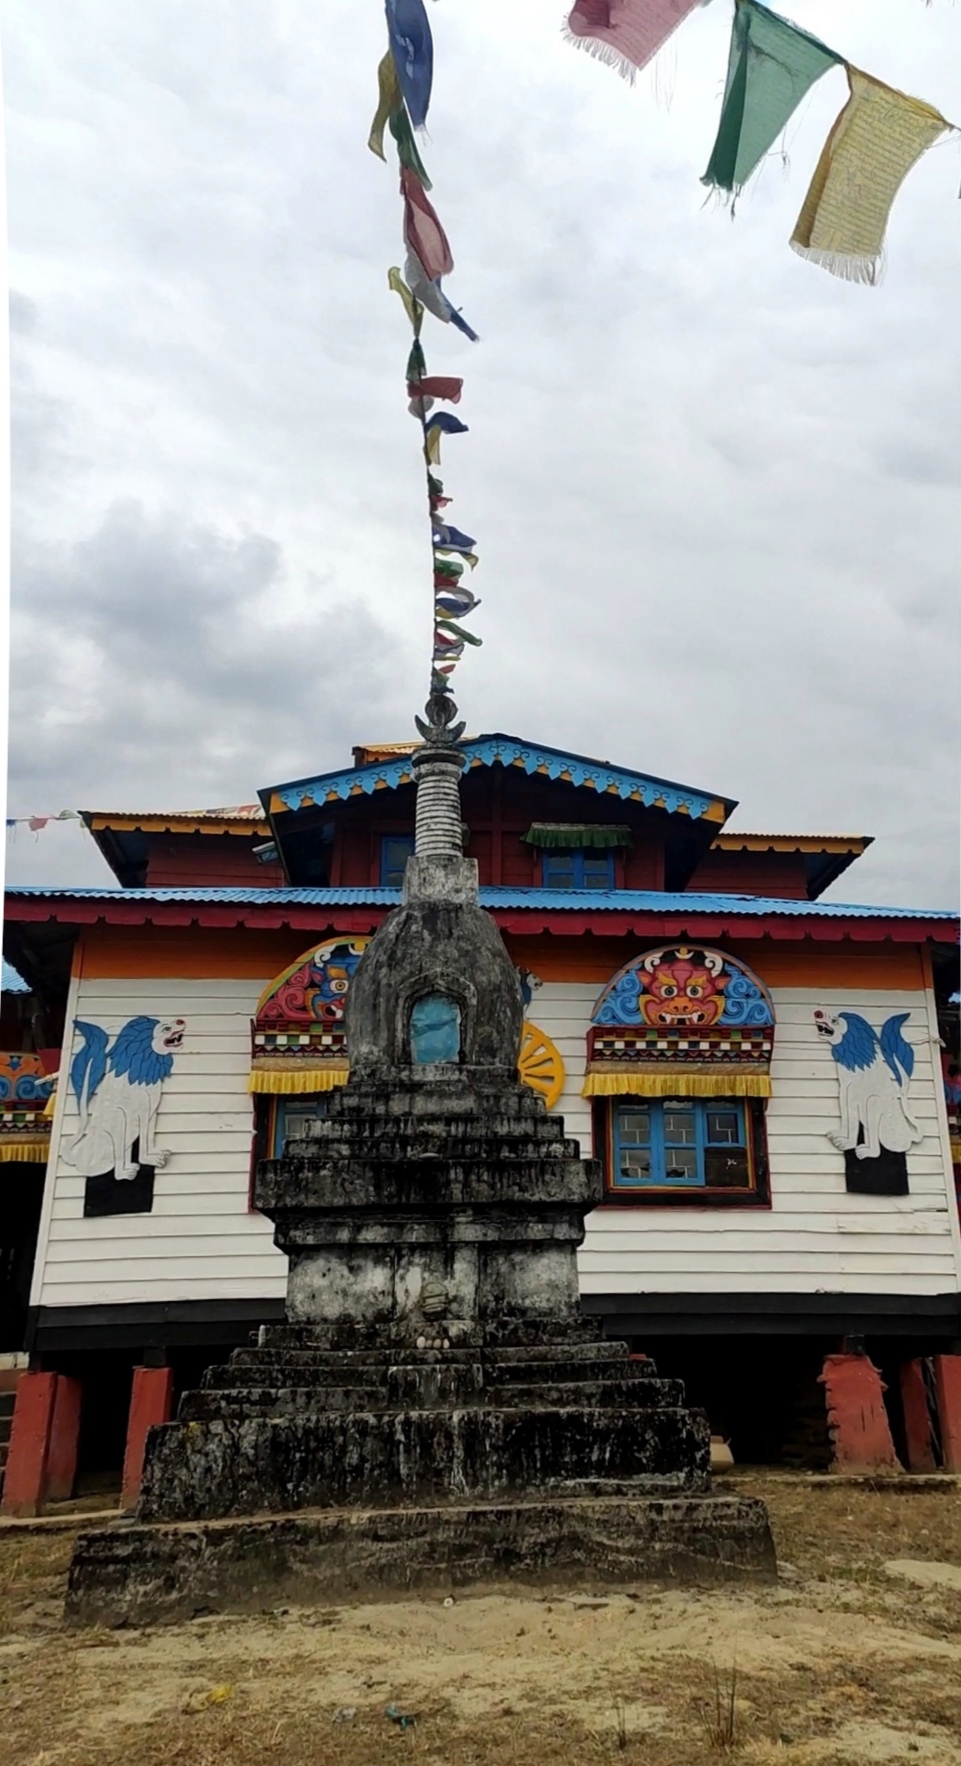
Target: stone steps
455, 1376
327, 1458
528, 1366
604, 1391
233, 1404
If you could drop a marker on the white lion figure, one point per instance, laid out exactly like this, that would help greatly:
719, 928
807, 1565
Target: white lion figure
117, 1087
874, 1071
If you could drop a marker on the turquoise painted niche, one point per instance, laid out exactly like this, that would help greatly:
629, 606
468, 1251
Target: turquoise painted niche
434, 1030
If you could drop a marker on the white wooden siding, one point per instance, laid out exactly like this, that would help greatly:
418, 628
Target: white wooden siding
201, 1242
815, 1237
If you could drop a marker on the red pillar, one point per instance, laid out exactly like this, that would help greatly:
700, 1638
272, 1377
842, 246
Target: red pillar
64, 1440
947, 1385
917, 1418
857, 1419
24, 1482
151, 1401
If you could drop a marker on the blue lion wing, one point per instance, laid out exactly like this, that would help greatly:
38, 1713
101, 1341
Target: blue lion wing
898, 1053
89, 1064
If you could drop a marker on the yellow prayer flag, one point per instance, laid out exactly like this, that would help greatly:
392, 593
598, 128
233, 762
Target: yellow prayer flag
391, 98
412, 307
878, 137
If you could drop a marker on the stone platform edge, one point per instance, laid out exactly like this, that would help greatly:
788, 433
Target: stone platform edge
149, 1573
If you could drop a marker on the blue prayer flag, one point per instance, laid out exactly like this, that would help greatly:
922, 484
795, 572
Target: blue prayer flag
413, 50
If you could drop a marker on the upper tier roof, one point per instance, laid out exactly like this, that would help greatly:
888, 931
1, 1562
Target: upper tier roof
394, 769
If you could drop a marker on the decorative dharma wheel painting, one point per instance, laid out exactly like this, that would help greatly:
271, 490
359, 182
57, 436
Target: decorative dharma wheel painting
540, 1065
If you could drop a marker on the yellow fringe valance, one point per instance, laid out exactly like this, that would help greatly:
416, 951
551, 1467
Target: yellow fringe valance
32, 1151
677, 1085
283, 1081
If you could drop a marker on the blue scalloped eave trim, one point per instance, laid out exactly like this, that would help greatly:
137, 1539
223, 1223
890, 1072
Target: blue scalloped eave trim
600, 778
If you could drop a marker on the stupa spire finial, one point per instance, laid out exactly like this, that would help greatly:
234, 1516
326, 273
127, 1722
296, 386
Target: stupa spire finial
438, 828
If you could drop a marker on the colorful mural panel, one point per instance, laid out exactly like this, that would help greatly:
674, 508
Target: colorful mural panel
314, 989
683, 987
681, 1020
118, 1085
874, 1070
25, 1092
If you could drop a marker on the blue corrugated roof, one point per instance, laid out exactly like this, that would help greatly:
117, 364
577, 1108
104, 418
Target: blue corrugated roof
649, 901
11, 982
530, 757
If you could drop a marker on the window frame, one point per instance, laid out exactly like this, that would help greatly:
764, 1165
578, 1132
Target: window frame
267, 1141
386, 841
576, 856
298, 1102
675, 1193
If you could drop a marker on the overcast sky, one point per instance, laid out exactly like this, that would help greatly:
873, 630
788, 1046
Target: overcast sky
715, 490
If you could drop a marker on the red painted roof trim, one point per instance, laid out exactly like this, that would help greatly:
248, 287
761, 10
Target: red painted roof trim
522, 921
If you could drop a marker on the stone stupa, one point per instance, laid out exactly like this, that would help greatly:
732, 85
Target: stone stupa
436, 1411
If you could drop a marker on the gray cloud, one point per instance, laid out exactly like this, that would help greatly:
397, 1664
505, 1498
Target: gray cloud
168, 654
714, 488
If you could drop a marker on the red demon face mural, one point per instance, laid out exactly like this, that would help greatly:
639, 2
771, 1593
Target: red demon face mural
681, 992
685, 988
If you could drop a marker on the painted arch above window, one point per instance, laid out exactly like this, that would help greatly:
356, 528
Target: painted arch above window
681, 1020
299, 1038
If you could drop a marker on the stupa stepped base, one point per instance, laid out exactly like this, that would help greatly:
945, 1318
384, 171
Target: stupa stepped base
134, 1574
294, 1423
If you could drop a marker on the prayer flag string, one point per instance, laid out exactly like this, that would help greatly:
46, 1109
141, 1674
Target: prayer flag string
36, 824
404, 80
772, 64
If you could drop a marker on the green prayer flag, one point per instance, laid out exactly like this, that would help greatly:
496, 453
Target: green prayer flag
406, 146
416, 363
450, 625
771, 66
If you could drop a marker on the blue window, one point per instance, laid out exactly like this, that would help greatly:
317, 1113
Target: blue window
680, 1144
577, 870
395, 850
434, 1030
292, 1120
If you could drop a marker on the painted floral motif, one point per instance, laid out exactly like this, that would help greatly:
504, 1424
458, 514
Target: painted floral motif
685, 988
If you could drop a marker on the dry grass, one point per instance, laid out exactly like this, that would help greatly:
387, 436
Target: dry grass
838, 1666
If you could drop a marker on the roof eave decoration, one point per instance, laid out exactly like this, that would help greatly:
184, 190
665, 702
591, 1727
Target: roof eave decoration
188, 822
486, 751
681, 1020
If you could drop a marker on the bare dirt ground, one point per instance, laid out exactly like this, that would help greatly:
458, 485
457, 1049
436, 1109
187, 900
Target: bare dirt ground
844, 1663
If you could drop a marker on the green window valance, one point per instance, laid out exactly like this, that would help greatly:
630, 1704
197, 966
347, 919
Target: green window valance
576, 836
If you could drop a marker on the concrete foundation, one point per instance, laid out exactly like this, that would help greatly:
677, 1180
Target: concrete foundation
136, 1575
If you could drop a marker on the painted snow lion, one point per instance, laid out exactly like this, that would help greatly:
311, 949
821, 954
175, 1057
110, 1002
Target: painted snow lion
117, 1086
874, 1071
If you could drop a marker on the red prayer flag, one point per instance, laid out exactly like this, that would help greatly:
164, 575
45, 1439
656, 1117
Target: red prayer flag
625, 33
436, 386
423, 233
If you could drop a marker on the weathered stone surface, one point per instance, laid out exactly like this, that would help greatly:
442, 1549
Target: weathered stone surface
451, 1183
136, 1575
294, 1423
438, 941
